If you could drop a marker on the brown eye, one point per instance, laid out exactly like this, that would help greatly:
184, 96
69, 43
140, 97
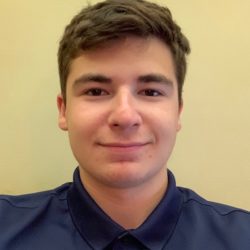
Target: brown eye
96, 92
150, 92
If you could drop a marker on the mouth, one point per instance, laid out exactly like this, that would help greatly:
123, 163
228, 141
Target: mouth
124, 147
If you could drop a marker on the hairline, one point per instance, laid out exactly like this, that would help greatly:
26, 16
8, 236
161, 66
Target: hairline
124, 36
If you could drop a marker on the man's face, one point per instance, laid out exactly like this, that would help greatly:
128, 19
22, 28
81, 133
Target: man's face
122, 111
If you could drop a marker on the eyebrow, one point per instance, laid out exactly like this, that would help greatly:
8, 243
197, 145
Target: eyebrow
99, 78
92, 78
158, 78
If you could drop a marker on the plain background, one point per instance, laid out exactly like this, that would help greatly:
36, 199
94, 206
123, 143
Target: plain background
212, 154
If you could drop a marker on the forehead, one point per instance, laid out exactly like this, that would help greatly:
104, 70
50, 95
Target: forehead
125, 57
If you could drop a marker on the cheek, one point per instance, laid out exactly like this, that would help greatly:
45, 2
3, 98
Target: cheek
165, 134
84, 121
165, 121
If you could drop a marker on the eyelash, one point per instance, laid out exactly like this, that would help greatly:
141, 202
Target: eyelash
152, 92
99, 92
91, 92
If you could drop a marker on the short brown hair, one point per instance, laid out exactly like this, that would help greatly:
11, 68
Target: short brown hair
114, 19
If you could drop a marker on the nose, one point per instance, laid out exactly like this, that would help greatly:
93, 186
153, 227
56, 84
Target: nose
124, 113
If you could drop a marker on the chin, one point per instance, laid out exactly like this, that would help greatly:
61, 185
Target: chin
126, 177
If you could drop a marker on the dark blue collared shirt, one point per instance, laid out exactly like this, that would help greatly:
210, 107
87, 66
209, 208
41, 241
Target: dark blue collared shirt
67, 218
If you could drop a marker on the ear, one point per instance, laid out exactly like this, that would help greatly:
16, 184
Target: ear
179, 116
62, 121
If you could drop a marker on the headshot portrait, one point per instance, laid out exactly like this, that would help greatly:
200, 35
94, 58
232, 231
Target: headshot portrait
125, 125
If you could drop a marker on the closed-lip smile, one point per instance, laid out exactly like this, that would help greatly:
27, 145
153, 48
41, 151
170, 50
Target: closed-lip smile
123, 145
122, 148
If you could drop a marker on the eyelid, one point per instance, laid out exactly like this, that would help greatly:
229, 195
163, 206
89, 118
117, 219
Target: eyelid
88, 91
159, 92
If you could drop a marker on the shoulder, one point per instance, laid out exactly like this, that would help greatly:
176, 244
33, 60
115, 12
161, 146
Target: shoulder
194, 201
36, 221
26, 208
33, 200
223, 225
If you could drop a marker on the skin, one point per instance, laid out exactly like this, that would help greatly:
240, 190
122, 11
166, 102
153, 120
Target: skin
122, 116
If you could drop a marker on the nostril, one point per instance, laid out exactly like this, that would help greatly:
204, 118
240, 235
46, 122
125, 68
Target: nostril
124, 115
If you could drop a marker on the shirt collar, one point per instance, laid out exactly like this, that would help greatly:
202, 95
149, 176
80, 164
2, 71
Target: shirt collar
99, 230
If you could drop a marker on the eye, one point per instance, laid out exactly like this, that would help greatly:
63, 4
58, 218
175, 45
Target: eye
96, 92
150, 92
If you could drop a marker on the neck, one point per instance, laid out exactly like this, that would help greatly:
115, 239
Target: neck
129, 207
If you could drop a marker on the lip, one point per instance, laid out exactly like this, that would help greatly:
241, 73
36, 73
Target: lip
121, 147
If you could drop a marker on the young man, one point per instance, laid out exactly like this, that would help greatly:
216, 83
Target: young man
122, 66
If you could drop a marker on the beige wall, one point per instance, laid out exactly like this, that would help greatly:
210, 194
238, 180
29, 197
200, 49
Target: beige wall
212, 154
